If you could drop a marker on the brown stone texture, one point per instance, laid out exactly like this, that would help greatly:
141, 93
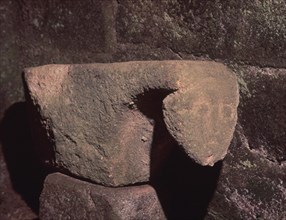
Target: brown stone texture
110, 141
249, 31
64, 197
201, 115
252, 182
263, 93
39, 32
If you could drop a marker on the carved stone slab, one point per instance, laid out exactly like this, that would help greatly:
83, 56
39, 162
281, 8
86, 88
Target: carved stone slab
94, 120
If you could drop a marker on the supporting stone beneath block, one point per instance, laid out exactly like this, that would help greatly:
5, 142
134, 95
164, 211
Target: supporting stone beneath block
64, 197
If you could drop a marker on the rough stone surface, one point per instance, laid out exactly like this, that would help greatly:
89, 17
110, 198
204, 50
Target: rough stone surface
201, 115
33, 32
263, 95
252, 183
64, 197
250, 186
244, 31
92, 119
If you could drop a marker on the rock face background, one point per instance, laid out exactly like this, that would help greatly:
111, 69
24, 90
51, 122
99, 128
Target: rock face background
248, 36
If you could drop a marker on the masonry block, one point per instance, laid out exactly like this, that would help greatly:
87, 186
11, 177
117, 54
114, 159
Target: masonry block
64, 197
100, 121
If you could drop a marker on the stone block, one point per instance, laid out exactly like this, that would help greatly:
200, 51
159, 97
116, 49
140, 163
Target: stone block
64, 197
99, 121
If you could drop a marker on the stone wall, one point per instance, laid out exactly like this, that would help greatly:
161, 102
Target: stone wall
248, 36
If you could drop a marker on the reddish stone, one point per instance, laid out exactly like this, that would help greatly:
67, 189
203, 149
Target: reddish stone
95, 122
64, 197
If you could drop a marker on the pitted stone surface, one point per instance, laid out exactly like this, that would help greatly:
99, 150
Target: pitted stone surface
202, 114
64, 197
95, 130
